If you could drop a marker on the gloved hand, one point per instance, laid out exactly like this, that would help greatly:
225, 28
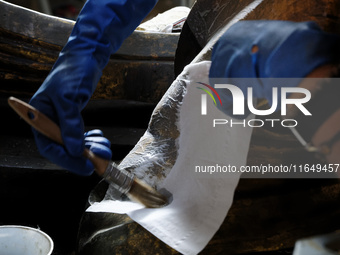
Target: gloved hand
99, 145
100, 29
93, 141
261, 50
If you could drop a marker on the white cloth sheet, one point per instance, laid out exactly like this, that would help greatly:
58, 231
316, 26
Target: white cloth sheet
200, 200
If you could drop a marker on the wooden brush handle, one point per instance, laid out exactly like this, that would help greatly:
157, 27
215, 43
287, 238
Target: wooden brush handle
47, 127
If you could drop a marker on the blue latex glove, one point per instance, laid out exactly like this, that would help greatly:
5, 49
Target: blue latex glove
98, 144
283, 49
100, 29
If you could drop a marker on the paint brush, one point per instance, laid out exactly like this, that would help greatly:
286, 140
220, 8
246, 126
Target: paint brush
121, 179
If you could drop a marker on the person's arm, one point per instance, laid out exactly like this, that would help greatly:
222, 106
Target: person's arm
263, 54
100, 29
269, 52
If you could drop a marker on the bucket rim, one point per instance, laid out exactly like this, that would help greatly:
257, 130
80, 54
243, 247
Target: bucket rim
32, 229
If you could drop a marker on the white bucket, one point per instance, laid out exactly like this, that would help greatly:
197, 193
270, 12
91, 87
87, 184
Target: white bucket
20, 240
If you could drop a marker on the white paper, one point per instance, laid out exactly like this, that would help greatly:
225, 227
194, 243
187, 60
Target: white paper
115, 206
165, 21
200, 201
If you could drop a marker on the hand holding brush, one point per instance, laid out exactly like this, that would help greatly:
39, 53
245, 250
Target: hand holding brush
100, 29
122, 180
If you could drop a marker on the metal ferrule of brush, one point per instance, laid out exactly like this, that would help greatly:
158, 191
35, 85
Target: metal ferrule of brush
120, 178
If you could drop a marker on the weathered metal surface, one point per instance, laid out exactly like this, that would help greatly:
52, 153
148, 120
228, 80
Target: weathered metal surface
141, 70
266, 215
